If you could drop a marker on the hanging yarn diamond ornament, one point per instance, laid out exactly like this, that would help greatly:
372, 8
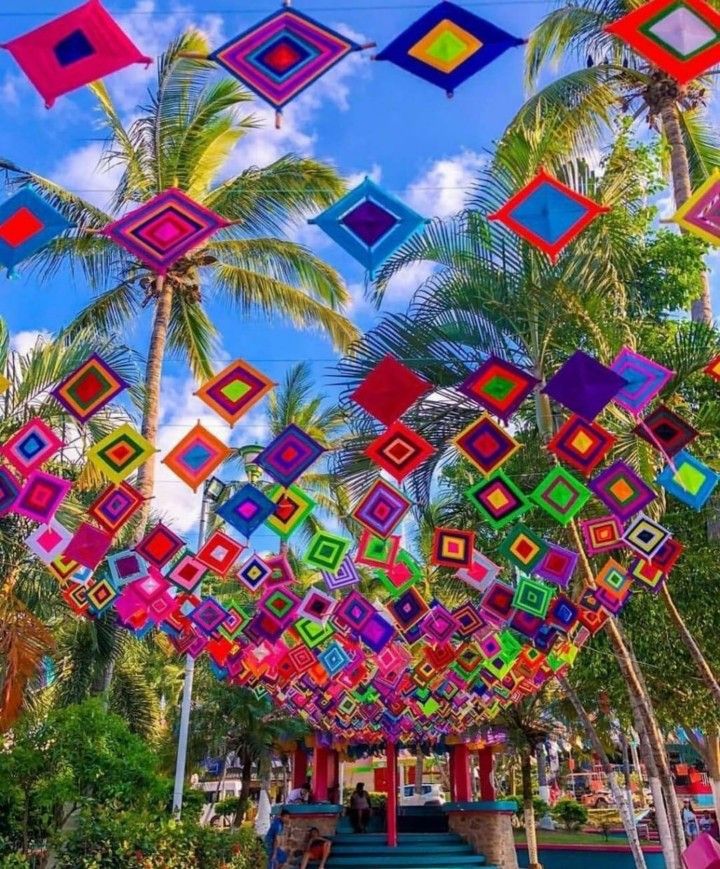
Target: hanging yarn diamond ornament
282, 55
452, 547
498, 500
523, 547
369, 224
560, 495
115, 506
246, 510
165, 229
233, 391
377, 551
613, 586
31, 446
292, 508
645, 536
41, 496
584, 385
327, 551
74, 50
602, 534
89, 388
548, 214
196, 456
289, 455
27, 224
399, 450
120, 453
498, 386
160, 545
622, 490
666, 431
645, 378
254, 572
486, 444
557, 565
390, 389
447, 45
581, 444
681, 37
700, 213
381, 509
533, 597
689, 480
219, 553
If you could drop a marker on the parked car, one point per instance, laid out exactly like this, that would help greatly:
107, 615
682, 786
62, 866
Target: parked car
432, 795
600, 799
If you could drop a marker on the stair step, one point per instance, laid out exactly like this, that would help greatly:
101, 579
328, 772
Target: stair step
425, 838
403, 847
406, 861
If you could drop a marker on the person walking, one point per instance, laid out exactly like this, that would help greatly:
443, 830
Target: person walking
360, 809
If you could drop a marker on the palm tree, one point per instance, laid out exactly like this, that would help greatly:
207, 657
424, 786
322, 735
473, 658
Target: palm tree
31, 612
491, 293
184, 137
612, 78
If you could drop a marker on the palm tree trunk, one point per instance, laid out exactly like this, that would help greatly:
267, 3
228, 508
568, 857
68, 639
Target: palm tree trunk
701, 310
246, 781
626, 811
419, 771
153, 376
529, 811
706, 673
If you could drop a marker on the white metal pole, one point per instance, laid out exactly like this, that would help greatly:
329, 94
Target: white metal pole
187, 696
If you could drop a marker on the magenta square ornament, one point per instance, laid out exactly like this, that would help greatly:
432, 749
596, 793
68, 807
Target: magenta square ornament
48, 541
31, 446
89, 546
355, 610
188, 573
41, 496
316, 606
165, 229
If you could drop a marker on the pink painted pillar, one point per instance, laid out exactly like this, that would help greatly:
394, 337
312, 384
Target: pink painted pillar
320, 773
334, 777
460, 773
300, 765
392, 789
486, 768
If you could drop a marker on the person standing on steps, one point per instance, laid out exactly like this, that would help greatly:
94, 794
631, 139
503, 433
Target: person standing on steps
360, 809
277, 839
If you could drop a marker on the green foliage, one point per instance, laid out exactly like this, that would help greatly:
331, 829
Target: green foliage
604, 820
570, 813
137, 840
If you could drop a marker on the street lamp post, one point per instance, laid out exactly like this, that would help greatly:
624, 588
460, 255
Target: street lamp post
212, 491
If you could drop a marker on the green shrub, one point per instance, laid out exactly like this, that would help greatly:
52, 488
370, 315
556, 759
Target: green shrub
570, 814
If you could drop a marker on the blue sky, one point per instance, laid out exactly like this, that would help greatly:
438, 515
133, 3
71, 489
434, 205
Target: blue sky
365, 117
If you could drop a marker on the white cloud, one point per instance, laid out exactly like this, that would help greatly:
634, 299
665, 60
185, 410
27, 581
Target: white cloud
10, 90
407, 281
374, 174
24, 342
442, 189
83, 172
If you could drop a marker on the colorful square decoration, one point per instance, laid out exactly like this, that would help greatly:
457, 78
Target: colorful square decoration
481, 572
219, 553
88, 546
31, 446
666, 431
115, 506
126, 567
208, 615
197, 455
370, 225
89, 388
533, 597
292, 508
498, 500
41, 496
648, 574
347, 574
327, 551
399, 450
499, 386
389, 390
282, 55
548, 214
281, 573
621, 490
439, 624
253, 572
408, 609
613, 586
355, 610
291, 453
27, 224
700, 214
9, 491
334, 659
452, 548
100, 595
602, 534
563, 613
486, 444
645, 378
557, 565
681, 37
316, 606
281, 604
381, 509
523, 547
584, 385
48, 541
667, 555
560, 495
246, 510
165, 229
73, 50
581, 444
233, 391
188, 573
160, 545
688, 479
645, 536
120, 453
447, 45
375, 551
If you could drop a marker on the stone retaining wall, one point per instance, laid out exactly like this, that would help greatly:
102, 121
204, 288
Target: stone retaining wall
489, 831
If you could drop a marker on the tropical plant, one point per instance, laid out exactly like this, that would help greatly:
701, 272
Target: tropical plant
612, 79
184, 138
570, 813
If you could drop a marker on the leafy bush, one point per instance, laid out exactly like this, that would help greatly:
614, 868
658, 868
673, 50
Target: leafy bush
540, 807
129, 840
570, 814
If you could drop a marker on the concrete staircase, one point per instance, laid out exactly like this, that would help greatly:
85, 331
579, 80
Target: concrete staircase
414, 851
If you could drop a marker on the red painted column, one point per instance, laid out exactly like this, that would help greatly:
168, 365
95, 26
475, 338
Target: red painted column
300, 765
334, 777
486, 768
320, 773
461, 773
392, 788
451, 772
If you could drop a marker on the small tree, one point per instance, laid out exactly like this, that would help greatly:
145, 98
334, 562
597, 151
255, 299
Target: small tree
570, 814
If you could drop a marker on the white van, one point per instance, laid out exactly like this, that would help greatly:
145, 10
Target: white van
432, 795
